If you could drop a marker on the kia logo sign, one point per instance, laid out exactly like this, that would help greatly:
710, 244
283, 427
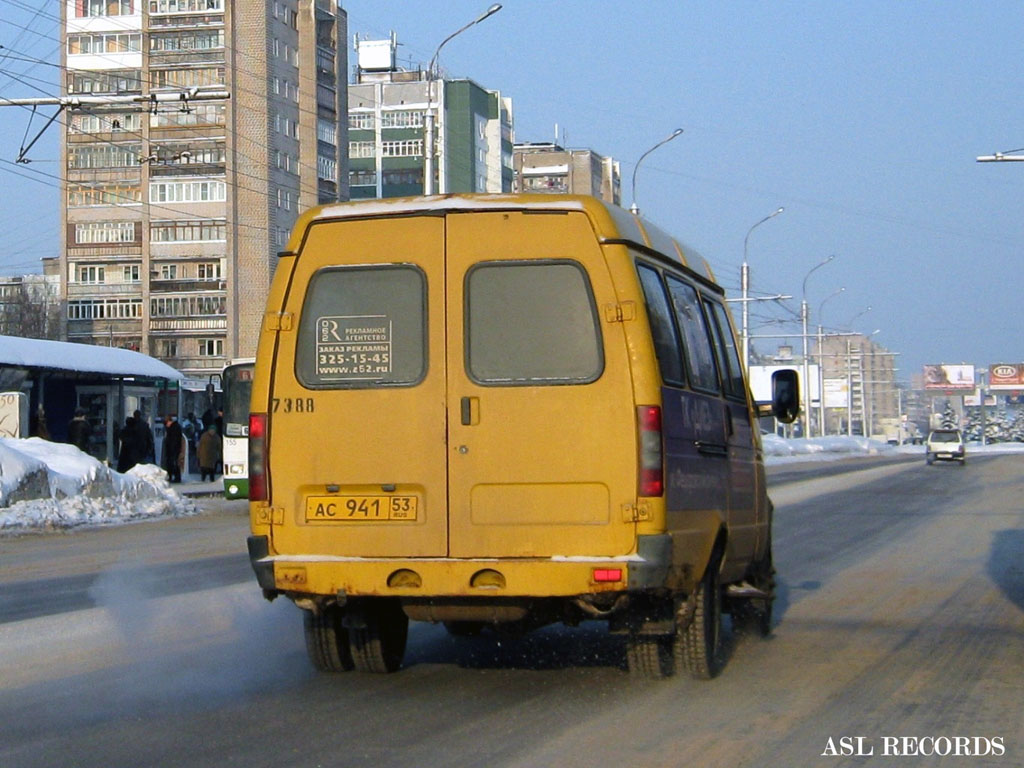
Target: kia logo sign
1004, 371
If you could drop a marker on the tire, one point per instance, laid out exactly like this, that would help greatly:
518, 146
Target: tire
754, 616
379, 645
650, 657
698, 647
327, 640
928, 459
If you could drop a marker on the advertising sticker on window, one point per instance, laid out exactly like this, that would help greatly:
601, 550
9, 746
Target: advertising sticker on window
353, 347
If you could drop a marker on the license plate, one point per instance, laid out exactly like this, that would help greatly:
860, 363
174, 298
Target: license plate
354, 509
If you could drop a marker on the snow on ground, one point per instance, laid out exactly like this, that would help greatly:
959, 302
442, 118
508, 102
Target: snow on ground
778, 450
53, 486
46, 486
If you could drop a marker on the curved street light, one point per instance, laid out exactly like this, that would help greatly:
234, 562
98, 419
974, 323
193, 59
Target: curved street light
428, 118
633, 208
803, 322
745, 287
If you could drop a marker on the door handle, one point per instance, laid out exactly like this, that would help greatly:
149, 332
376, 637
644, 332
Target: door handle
469, 408
712, 449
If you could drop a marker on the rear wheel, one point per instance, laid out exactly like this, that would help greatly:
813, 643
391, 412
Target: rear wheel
377, 640
327, 640
698, 647
650, 656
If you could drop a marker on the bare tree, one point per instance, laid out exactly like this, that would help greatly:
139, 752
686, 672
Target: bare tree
29, 309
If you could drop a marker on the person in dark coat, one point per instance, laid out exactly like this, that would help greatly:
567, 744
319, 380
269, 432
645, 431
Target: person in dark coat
79, 430
130, 452
209, 452
174, 450
147, 452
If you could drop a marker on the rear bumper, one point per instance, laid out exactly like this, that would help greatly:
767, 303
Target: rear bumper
328, 576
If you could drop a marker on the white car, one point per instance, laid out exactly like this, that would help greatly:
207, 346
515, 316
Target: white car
945, 445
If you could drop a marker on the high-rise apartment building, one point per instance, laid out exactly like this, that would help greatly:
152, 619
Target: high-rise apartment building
174, 211
547, 168
386, 108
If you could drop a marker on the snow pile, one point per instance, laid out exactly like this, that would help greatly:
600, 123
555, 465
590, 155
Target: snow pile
46, 485
833, 447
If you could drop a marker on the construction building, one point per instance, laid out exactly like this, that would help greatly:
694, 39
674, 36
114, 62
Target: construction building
175, 210
387, 105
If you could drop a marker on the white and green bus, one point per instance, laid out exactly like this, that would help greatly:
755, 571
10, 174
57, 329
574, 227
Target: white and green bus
236, 384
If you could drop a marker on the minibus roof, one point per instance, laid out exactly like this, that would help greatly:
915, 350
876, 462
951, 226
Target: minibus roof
612, 223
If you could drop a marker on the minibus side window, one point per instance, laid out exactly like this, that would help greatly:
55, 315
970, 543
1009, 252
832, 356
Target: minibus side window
663, 332
700, 356
530, 323
363, 327
732, 372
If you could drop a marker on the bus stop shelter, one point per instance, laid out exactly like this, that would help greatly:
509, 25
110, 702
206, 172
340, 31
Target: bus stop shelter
56, 377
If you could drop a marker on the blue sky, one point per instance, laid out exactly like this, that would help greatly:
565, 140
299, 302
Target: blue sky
862, 119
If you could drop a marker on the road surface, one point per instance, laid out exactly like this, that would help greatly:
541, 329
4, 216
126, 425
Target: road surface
899, 627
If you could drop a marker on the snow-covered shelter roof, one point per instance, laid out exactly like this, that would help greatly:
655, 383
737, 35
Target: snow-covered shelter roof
40, 354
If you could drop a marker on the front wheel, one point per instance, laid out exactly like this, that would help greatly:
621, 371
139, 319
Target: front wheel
698, 646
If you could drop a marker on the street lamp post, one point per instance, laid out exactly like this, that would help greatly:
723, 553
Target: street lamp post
678, 131
428, 117
807, 367
745, 287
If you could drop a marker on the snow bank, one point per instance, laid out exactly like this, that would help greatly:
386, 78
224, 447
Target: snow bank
46, 485
829, 447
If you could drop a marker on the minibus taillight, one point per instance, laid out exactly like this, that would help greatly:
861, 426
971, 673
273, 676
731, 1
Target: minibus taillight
258, 457
652, 474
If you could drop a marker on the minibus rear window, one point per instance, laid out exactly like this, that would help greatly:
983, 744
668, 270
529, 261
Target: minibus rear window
531, 322
363, 327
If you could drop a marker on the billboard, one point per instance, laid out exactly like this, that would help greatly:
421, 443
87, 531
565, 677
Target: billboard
1006, 376
837, 393
947, 377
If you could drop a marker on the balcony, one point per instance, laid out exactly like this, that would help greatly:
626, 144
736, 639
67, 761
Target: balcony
159, 287
173, 325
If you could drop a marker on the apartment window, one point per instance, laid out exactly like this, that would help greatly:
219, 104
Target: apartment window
326, 167
187, 191
128, 42
157, 7
168, 348
192, 40
188, 231
198, 114
100, 81
360, 149
191, 77
104, 194
106, 123
360, 121
98, 232
103, 156
403, 118
131, 273
105, 309
404, 148
211, 347
169, 272
326, 131
209, 271
187, 306
85, 8
362, 178
90, 275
